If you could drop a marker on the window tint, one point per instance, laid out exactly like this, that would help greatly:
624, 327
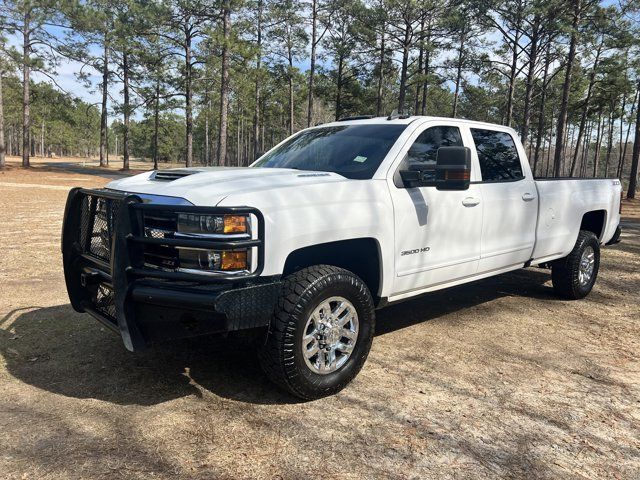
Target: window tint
425, 149
353, 151
498, 155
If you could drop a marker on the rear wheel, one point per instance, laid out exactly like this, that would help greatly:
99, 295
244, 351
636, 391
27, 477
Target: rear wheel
574, 276
321, 332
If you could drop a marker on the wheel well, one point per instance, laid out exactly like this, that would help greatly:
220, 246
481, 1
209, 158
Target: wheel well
593, 222
360, 256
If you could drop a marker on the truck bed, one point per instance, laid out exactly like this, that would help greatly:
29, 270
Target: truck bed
563, 203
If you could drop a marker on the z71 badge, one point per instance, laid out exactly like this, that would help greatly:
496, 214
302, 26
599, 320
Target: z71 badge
417, 250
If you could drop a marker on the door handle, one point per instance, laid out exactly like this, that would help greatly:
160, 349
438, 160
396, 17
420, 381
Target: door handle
527, 197
470, 201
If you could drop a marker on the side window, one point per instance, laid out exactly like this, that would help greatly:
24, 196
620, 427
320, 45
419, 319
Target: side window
498, 156
425, 149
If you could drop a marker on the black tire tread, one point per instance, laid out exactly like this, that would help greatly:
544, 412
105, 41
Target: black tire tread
564, 272
296, 288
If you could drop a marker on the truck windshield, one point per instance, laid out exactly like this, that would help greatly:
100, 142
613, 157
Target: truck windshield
353, 151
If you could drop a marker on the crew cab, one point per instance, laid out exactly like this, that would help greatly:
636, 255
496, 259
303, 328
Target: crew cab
336, 221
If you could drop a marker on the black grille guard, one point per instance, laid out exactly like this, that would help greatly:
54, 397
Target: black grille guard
102, 286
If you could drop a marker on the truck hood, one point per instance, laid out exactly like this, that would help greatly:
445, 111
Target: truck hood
208, 186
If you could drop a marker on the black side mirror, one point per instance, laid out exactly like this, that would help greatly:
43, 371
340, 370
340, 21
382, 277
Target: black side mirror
417, 176
453, 168
258, 155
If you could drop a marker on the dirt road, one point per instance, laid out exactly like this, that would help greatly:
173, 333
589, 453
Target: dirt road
495, 379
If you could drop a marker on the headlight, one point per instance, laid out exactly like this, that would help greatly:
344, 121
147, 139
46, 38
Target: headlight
195, 224
213, 260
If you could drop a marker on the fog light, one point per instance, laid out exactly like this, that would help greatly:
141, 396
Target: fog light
234, 260
209, 260
200, 259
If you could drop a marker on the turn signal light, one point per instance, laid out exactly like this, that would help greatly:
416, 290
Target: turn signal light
234, 260
235, 224
457, 175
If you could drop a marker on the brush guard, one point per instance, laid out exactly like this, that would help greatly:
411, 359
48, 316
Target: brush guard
104, 246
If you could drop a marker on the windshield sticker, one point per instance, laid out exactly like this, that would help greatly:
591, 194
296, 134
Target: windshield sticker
360, 159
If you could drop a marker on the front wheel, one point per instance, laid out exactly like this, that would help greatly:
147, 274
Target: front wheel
574, 275
321, 332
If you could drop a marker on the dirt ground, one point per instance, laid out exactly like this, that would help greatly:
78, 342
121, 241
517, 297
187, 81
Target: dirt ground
498, 378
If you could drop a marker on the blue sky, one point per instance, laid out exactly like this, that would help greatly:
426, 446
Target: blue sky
66, 71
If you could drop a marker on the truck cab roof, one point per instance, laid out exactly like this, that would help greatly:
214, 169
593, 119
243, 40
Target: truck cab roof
406, 120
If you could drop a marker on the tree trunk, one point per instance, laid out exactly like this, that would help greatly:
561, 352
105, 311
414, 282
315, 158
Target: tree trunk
609, 143
26, 78
312, 66
156, 124
626, 140
403, 71
42, 138
633, 175
596, 155
528, 94
104, 155
416, 107
566, 89
339, 88
2, 144
543, 98
623, 106
207, 153
585, 109
458, 77
188, 93
256, 112
513, 71
585, 150
427, 65
546, 172
224, 86
127, 111
290, 75
381, 72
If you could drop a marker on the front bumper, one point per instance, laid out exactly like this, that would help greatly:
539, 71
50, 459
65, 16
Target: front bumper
103, 248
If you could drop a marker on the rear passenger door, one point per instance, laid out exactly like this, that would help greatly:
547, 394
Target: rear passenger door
510, 201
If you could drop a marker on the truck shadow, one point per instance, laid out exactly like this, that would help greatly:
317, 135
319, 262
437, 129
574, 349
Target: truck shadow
70, 354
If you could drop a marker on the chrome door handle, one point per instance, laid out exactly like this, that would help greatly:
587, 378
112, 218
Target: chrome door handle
527, 197
470, 201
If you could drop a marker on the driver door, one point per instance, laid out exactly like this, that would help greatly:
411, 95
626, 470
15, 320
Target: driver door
437, 232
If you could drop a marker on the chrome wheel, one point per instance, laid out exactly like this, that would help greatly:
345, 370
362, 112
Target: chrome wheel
586, 267
330, 335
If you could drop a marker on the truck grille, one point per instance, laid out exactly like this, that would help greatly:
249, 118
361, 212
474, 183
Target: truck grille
103, 302
98, 218
161, 225
97, 224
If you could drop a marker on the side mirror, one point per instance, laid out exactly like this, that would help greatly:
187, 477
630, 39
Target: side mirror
258, 155
416, 176
453, 168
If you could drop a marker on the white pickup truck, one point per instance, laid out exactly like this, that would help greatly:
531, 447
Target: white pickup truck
336, 221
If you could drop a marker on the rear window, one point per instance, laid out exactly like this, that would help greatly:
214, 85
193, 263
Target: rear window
498, 155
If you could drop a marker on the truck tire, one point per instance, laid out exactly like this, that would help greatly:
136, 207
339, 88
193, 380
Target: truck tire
320, 333
574, 275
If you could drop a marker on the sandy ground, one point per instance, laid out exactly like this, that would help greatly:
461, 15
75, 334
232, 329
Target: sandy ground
494, 379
